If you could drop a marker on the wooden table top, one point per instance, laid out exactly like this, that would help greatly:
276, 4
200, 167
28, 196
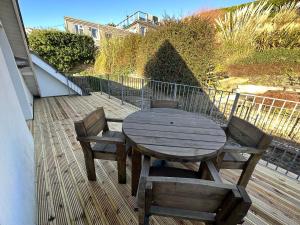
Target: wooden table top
174, 134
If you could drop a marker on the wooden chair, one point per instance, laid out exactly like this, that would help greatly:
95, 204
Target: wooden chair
109, 145
180, 193
164, 104
243, 137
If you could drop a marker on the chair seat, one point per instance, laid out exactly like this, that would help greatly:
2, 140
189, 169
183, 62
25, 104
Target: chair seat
233, 142
234, 157
108, 148
233, 161
172, 172
113, 134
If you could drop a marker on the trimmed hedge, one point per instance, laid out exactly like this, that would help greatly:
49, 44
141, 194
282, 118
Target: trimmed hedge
61, 49
180, 51
118, 55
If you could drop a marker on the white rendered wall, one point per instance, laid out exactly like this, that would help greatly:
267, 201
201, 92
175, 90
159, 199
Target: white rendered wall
17, 187
24, 96
49, 85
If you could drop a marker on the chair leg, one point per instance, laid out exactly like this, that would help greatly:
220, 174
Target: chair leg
121, 161
248, 170
135, 170
143, 218
90, 165
129, 151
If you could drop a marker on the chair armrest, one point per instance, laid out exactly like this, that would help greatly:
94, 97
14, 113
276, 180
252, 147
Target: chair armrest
116, 120
109, 140
238, 149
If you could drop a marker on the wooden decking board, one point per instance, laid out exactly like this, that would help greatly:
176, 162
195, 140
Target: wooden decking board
262, 209
267, 208
66, 191
51, 193
79, 157
65, 196
60, 191
82, 195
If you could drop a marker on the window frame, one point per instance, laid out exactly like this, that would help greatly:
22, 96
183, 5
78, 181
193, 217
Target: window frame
97, 33
79, 29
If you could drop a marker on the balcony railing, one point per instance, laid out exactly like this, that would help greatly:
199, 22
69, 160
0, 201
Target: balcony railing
278, 117
137, 16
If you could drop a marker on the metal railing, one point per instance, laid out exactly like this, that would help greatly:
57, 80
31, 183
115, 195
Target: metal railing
278, 117
137, 16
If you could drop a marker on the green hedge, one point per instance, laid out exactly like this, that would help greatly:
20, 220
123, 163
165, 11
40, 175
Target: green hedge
179, 51
118, 55
61, 49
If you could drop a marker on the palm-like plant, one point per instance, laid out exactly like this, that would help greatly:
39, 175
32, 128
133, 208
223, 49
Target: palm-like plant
244, 24
258, 26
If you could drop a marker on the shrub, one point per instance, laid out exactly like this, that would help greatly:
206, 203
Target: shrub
282, 30
273, 56
118, 55
179, 51
61, 49
286, 95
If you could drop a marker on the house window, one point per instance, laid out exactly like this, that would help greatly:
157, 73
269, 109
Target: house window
94, 32
78, 29
143, 31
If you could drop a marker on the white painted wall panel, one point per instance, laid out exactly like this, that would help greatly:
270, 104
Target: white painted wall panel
50, 81
49, 85
17, 187
25, 98
12, 22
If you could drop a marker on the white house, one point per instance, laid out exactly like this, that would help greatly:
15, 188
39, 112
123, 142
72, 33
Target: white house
24, 76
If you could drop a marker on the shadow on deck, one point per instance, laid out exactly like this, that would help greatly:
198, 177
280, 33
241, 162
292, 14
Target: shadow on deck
65, 196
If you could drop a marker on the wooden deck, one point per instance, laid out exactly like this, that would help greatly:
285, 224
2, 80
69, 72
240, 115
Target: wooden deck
65, 196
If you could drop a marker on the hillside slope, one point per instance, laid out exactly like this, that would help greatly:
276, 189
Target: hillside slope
272, 57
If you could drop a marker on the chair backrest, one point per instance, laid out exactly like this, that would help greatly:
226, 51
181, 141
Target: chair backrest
92, 124
247, 134
206, 197
164, 104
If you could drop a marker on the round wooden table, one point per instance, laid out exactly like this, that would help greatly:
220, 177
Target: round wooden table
171, 134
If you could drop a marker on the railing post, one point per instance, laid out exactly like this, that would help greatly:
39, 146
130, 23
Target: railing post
67, 79
234, 106
175, 91
108, 86
101, 84
142, 95
122, 89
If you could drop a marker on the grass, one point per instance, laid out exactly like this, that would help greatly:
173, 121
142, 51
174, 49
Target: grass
270, 56
232, 82
270, 67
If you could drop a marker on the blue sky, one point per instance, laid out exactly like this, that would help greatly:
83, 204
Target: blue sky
50, 13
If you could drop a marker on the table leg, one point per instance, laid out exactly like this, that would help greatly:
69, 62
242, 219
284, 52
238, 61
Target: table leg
136, 159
